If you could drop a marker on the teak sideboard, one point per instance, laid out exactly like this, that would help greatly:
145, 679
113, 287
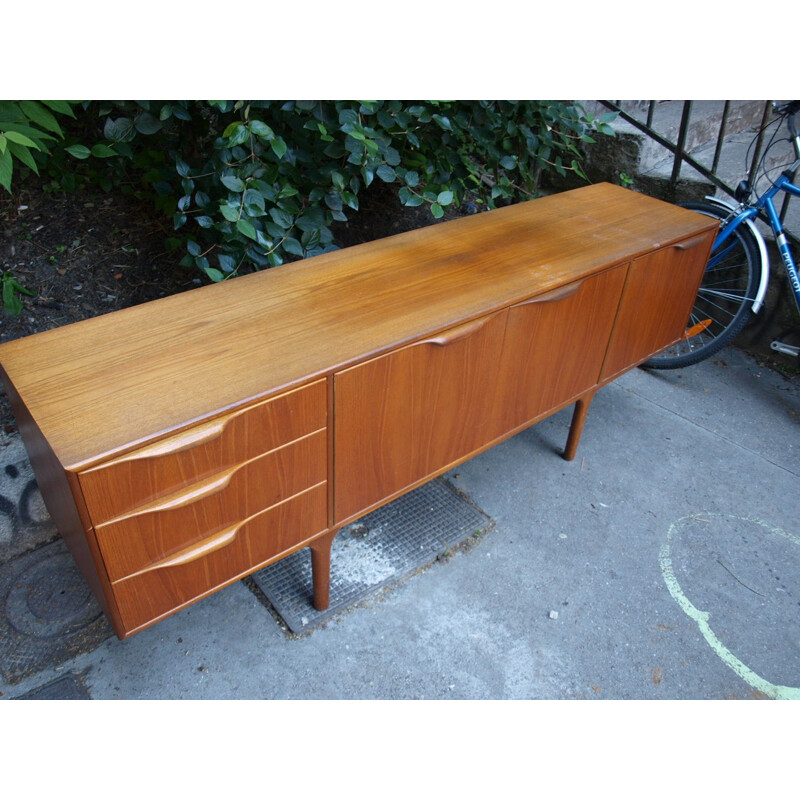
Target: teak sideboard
184, 443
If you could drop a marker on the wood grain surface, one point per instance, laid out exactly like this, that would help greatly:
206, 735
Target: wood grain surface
146, 474
170, 583
180, 520
659, 295
158, 368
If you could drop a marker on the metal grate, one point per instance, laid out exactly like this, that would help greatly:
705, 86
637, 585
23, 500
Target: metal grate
68, 687
373, 553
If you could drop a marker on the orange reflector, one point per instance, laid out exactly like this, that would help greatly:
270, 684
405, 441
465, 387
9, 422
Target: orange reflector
695, 329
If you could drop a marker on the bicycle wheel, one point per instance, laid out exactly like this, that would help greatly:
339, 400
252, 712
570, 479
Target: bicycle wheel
724, 301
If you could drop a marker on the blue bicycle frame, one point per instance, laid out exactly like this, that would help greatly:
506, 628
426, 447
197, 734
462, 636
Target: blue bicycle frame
765, 203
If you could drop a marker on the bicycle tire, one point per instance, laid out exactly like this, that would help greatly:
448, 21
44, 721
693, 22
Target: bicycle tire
725, 297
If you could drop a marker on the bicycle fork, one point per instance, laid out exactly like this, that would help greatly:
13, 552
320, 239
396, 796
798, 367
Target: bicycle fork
791, 271
784, 182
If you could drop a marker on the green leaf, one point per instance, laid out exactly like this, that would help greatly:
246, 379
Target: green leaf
3, 143
204, 221
41, 116
24, 155
233, 183
337, 179
103, 151
311, 220
60, 107
279, 147
261, 129
20, 138
445, 198
246, 229
282, 218
79, 151
334, 201
18, 287
578, 171
236, 134
11, 302
147, 124
214, 274
119, 130
408, 198
443, 122
230, 212
227, 263
437, 211
254, 198
386, 173
292, 246
193, 248
6, 170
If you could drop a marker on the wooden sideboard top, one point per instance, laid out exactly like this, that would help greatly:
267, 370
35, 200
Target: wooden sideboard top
103, 385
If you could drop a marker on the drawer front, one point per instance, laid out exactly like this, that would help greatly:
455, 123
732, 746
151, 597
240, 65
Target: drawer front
656, 303
406, 415
142, 476
227, 556
554, 346
130, 543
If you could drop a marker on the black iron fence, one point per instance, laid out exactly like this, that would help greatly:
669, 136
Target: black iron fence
680, 156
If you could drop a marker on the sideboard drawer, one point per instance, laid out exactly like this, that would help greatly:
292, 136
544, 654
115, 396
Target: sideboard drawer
144, 475
177, 580
131, 543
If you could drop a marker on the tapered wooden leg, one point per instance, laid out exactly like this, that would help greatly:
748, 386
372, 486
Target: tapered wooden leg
578, 420
321, 569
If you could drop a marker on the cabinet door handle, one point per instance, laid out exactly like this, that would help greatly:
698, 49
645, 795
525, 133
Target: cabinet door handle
458, 333
688, 244
551, 297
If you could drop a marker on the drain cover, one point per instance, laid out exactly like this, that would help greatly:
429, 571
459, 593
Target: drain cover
370, 554
68, 687
48, 612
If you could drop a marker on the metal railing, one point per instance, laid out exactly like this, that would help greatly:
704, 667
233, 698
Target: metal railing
680, 155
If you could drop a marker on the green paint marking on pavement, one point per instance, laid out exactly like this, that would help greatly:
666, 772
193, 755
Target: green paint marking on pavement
701, 617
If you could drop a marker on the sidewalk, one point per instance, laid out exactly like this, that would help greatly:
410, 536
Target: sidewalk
592, 583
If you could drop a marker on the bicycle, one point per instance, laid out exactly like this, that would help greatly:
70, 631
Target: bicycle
735, 280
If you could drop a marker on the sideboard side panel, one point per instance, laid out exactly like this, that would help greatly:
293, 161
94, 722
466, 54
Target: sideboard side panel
63, 500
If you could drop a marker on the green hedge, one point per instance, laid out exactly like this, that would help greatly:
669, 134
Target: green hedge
255, 183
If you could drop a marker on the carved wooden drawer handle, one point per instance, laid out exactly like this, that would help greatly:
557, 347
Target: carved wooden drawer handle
688, 244
458, 333
553, 296
183, 498
194, 436
195, 551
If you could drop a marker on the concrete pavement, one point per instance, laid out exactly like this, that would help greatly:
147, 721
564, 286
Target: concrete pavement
663, 563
